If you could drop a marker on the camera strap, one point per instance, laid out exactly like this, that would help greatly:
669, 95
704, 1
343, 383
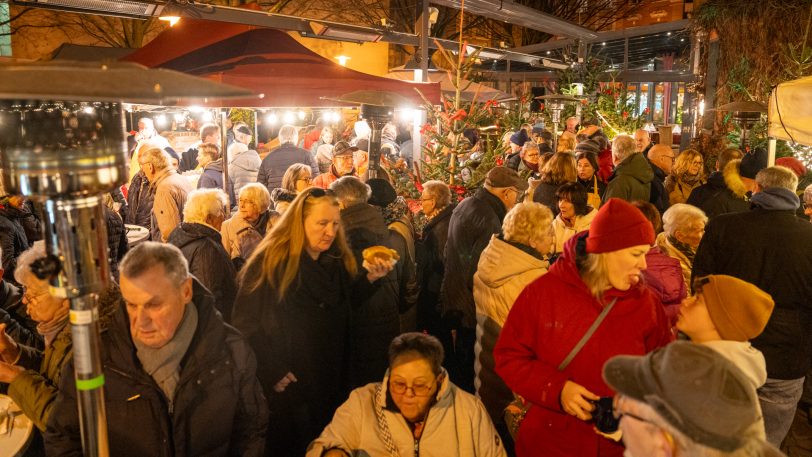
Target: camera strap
586, 336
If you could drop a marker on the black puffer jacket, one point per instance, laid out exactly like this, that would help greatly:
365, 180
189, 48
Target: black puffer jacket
19, 326
219, 409
139, 200
375, 321
28, 217
12, 241
472, 223
276, 163
117, 245
723, 193
208, 262
431, 268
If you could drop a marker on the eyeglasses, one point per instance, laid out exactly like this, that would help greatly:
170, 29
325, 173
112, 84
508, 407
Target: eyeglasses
307, 180
36, 296
419, 390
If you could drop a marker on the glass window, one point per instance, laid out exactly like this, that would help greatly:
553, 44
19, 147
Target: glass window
5, 31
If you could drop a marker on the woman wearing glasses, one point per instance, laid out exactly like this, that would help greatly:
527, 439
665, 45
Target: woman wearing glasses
416, 410
687, 175
297, 178
294, 305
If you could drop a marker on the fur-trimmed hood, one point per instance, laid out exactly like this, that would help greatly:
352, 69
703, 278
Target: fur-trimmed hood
733, 180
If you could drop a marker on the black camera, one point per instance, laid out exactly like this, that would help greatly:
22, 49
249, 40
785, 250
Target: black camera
604, 416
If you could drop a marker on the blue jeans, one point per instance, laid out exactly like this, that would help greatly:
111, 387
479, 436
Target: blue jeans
779, 399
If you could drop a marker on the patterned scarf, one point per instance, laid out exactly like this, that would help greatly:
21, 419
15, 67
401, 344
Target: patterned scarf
686, 250
690, 180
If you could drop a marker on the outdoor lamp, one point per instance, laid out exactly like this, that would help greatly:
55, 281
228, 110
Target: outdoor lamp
745, 114
556, 103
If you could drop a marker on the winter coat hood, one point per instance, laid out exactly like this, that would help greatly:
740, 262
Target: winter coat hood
502, 261
367, 221
217, 165
187, 233
776, 199
636, 166
747, 358
733, 179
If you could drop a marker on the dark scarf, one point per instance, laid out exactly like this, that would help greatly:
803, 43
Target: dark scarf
395, 211
532, 166
686, 250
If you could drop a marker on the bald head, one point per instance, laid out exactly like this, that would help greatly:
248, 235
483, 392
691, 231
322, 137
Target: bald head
662, 157
641, 139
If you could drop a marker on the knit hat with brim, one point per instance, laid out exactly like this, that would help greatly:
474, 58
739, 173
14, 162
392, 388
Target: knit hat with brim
618, 225
739, 310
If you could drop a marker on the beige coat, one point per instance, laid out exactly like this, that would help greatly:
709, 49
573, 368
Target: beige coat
502, 274
678, 191
671, 251
564, 233
171, 190
456, 426
229, 232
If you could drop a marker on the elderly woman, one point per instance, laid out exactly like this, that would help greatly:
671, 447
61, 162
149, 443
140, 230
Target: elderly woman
574, 216
687, 175
526, 162
297, 178
198, 237
33, 376
509, 263
437, 207
325, 137
594, 284
560, 169
587, 168
389, 418
249, 224
683, 227
294, 306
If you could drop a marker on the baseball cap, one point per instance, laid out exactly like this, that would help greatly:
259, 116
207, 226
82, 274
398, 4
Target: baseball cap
342, 148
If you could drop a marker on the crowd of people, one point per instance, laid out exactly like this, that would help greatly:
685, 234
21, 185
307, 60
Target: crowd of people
310, 311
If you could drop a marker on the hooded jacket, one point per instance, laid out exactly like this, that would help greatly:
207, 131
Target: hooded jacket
504, 270
170, 190
768, 247
208, 262
457, 425
663, 275
723, 193
472, 224
376, 320
562, 233
212, 177
276, 163
659, 195
242, 169
631, 180
218, 409
751, 362
547, 320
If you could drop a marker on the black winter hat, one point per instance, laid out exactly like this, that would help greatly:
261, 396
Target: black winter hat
753, 162
382, 192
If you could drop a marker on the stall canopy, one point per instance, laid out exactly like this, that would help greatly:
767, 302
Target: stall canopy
790, 111
470, 88
266, 61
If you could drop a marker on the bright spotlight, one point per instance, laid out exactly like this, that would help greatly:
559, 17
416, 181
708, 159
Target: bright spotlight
271, 118
88, 110
207, 116
288, 117
161, 119
302, 115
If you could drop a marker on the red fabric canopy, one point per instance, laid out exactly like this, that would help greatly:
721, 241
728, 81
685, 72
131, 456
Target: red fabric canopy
267, 61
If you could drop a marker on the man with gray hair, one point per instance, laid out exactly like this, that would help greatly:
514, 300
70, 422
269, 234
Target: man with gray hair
178, 381
276, 163
376, 321
769, 247
632, 177
169, 190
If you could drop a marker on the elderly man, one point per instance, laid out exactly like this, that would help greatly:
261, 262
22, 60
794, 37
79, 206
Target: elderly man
198, 237
642, 141
169, 191
209, 133
632, 177
343, 165
661, 158
276, 163
685, 399
178, 381
769, 247
472, 224
376, 320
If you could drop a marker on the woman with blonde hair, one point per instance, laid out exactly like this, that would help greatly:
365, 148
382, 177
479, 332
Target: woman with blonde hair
560, 169
508, 264
687, 175
293, 306
297, 178
591, 305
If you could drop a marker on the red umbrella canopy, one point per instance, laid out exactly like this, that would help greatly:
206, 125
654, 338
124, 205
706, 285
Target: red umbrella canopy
267, 61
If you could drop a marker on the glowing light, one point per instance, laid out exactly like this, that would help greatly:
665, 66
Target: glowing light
271, 118
342, 60
288, 117
207, 116
161, 119
702, 108
88, 110
302, 115
196, 109
180, 117
172, 20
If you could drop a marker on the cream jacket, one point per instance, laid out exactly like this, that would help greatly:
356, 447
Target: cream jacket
564, 233
456, 426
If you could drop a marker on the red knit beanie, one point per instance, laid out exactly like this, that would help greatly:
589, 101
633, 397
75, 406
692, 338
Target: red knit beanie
618, 225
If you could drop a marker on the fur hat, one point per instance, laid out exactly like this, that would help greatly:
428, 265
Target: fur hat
739, 310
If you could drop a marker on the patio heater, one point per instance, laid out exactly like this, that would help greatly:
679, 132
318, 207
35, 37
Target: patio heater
377, 108
745, 114
62, 142
556, 103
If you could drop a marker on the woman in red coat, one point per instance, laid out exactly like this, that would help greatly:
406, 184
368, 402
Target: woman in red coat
555, 311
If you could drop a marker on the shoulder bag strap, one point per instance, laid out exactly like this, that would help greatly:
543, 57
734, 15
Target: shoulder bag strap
586, 336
